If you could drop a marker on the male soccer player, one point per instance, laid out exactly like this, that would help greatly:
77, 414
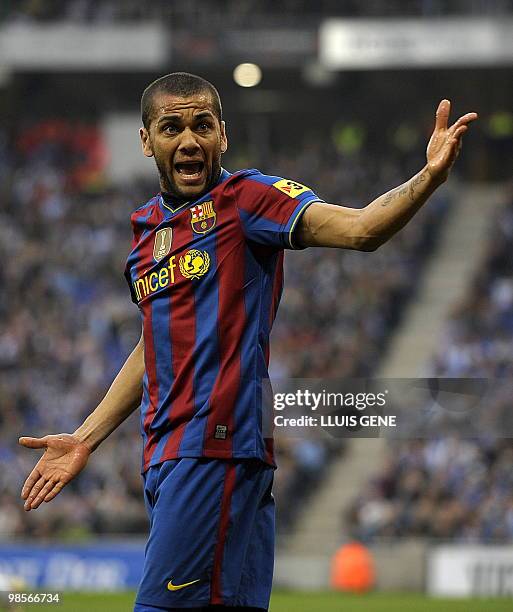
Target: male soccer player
206, 272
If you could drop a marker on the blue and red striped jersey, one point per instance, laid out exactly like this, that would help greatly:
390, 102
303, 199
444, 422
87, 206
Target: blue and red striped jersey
207, 277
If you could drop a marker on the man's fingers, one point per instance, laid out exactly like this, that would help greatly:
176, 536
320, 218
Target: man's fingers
33, 477
33, 442
34, 490
459, 132
464, 120
56, 489
468, 117
455, 143
42, 494
42, 490
442, 115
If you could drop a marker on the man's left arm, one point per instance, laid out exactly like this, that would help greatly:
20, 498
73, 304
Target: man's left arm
366, 229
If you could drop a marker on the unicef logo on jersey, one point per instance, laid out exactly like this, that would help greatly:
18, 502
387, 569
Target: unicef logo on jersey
194, 263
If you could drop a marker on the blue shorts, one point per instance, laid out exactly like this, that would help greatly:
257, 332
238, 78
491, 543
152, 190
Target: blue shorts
211, 534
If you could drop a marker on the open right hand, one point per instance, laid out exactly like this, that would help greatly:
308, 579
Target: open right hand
64, 458
445, 142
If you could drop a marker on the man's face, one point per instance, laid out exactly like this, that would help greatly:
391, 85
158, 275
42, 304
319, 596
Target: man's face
187, 141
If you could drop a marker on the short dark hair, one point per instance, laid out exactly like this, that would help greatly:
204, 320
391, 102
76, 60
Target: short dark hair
182, 84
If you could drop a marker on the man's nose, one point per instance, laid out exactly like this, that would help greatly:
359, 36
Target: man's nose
188, 143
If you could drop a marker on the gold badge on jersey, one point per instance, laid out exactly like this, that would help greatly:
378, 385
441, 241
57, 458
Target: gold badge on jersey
203, 217
291, 188
194, 263
162, 244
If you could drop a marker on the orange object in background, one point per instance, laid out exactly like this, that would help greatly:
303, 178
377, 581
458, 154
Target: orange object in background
352, 569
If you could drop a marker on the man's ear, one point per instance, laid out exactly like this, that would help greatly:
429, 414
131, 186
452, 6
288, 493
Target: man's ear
224, 139
145, 142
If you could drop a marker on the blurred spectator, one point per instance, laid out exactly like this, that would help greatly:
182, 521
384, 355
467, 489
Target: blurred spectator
448, 487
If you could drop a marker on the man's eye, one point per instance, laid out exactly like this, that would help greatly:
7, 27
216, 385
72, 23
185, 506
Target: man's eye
203, 126
171, 129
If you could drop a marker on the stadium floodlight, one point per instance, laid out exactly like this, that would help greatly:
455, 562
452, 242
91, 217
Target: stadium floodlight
247, 75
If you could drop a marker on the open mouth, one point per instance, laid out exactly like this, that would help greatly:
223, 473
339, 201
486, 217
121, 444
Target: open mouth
191, 170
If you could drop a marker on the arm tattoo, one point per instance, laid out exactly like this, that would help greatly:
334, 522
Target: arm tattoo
409, 188
395, 193
389, 197
414, 182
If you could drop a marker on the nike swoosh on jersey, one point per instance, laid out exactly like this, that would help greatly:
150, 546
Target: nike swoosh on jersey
177, 587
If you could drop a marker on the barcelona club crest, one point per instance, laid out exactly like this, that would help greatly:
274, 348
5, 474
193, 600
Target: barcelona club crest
203, 217
162, 244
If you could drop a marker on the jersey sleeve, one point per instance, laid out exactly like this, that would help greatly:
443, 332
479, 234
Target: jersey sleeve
270, 208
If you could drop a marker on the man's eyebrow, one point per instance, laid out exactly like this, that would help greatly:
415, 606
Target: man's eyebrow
177, 117
206, 114
169, 117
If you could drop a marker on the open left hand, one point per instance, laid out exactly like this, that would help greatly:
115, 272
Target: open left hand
445, 142
64, 458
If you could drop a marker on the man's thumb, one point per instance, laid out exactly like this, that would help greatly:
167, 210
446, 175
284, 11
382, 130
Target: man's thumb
33, 442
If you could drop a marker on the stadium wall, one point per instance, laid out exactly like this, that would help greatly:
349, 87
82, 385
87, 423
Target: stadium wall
116, 566
409, 565
400, 566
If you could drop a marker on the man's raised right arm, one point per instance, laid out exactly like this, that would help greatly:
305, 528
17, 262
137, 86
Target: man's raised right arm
66, 455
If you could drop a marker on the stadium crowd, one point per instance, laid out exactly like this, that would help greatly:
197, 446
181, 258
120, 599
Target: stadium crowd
67, 323
447, 486
235, 12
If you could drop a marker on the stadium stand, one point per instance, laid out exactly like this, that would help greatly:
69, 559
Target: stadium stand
449, 487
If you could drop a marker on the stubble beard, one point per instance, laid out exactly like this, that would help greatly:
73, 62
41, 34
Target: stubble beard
168, 186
